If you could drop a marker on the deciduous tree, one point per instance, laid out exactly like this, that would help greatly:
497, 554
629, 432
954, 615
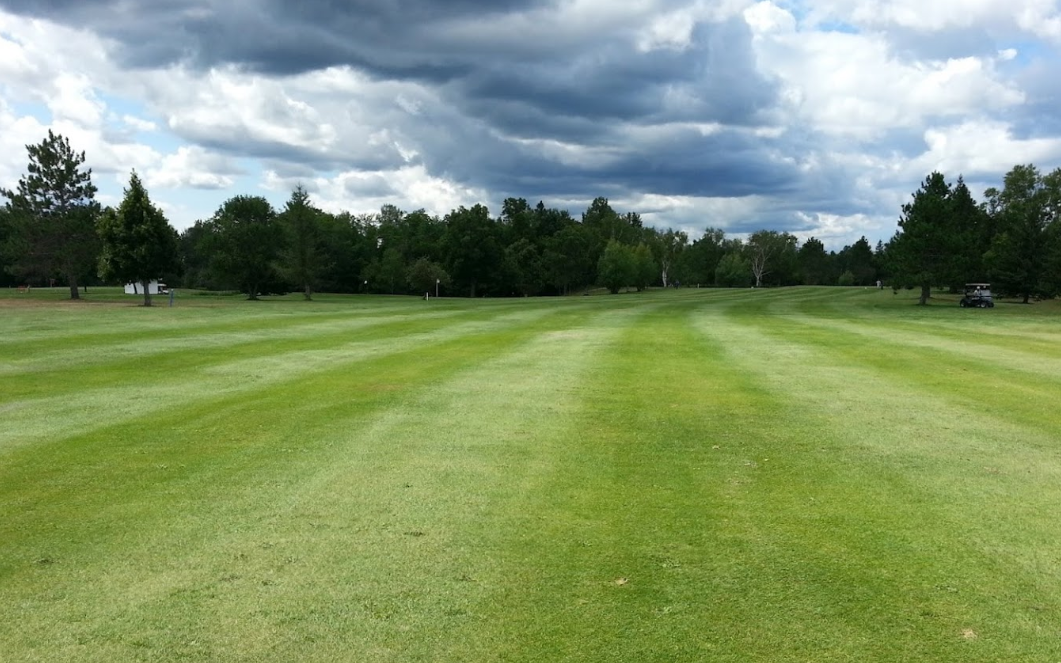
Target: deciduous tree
249, 241
617, 267
766, 249
1019, 258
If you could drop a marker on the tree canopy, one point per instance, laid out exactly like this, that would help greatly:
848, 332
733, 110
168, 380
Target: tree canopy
248, 242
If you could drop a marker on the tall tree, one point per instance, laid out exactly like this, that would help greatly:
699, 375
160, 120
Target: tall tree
766, 250
523, 265
566, 260
617, 267
426, 276
196, 248
139, 245
472, 248
53, 213
814, 267
302, 220
249, 242
927, 248
645, 267
1020, 251
858, 260
669, 244
700, 260
976, 232
7, 271
733, 270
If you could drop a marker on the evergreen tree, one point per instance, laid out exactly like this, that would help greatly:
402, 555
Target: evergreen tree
813, 261
52, 215
139, 245
927, 249
301, 220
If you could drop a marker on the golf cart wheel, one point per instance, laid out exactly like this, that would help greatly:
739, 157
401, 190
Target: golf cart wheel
962, 303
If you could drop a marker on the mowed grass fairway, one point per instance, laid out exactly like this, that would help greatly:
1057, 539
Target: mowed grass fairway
804, 474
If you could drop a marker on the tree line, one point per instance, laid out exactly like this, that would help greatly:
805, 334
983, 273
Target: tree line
1012, 238
53, 230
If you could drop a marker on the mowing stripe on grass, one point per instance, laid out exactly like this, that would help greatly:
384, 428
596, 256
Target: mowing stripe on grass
925, 483
372, 541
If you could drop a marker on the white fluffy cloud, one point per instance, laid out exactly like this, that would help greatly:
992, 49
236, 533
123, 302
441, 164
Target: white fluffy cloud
981, 147
1037, 17
854, 85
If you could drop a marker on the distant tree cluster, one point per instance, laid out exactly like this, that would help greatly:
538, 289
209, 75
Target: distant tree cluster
53, 230
1012, 238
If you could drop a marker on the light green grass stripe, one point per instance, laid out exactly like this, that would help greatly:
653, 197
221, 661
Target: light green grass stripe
1003, 328
1040, 359
54, 418
952, 514
176, 363
996, 385
374, 547
137, 343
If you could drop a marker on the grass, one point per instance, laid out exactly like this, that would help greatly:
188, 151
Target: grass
805, 474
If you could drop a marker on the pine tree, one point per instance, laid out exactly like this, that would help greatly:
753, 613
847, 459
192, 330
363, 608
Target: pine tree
53, 214
139, 245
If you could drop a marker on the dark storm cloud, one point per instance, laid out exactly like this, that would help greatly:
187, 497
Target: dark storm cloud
386, 37
714, 79
502, 97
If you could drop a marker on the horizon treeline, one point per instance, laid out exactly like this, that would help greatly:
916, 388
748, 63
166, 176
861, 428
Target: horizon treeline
51, 229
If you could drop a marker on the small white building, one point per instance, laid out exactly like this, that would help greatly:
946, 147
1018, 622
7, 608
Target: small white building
153, 288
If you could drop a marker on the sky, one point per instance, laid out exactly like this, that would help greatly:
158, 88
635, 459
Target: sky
816, 117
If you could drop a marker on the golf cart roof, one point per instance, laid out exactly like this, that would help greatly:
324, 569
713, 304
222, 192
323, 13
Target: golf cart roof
977, 285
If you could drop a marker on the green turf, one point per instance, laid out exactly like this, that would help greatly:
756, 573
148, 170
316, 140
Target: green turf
807, 474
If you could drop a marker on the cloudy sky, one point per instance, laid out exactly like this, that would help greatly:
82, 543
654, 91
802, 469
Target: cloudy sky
817, 117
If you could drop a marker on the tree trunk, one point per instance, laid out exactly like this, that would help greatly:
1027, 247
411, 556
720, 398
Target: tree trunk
74, 292
308, 294
926, 292
473, 289
147, 293
1027, 296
